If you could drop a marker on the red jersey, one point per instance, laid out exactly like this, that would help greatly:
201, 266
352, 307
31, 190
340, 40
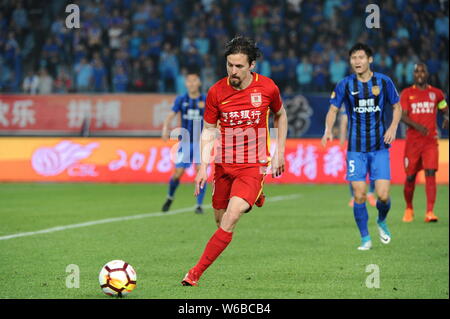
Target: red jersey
421, 107
244, 119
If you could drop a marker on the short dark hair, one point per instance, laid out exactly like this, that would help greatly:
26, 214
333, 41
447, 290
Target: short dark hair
358, 47
244, 45
193, 71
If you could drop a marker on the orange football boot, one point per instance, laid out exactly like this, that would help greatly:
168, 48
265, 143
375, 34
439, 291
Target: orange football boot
408, 216
351, 202
430, 217
191, 278
372, 200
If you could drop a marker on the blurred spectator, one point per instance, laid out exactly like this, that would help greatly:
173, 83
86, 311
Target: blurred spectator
99, 78
263, 67
45, 84
83, 75
320, 73
19, 16
30, 83
136, 77
304, 74
208, 75
278, 70
380, 56
120, 80
168, 68
338, 69
291, 63
63, 81
125, 31
150, 75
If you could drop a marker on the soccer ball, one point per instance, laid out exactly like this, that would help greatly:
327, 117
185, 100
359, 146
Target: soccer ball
117, 278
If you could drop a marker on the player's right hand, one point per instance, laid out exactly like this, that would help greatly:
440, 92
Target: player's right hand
200, 180
327, 136
165, 136
422, 129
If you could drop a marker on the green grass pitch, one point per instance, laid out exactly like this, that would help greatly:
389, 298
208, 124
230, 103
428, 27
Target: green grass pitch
302, 247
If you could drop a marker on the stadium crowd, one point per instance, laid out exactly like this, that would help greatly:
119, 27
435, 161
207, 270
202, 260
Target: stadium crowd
148, 45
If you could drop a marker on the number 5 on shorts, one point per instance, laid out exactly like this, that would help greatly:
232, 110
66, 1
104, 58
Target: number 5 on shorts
351, 166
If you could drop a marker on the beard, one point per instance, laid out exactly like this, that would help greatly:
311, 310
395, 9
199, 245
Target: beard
235, 82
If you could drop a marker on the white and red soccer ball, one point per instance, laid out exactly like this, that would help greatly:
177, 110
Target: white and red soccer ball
117, 278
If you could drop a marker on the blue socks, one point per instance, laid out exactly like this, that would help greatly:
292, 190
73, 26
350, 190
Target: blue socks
383, 209
361, 218
173, 184
201, 195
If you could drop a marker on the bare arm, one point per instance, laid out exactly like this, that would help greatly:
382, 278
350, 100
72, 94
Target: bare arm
343, 128
281, 123
207, 140
389, 136
445, 122
165, 130
329, 123
407, 120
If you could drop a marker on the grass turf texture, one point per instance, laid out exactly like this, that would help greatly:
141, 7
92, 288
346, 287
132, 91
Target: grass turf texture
297, 248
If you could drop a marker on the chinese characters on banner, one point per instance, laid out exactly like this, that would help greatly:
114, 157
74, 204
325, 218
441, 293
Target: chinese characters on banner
35, 114
152, 160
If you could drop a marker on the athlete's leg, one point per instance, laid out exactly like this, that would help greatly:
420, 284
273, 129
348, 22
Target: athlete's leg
236, 208
382, 187
408, 190
383, 205
360, 213
352, 198
408, 194
173, 185
430, 189
200, 196
220, 240
357, 168
370, 194
218, 214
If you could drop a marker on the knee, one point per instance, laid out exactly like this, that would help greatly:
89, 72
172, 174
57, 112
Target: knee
411, 178
430, 172
360, 198
383, 196
229, 220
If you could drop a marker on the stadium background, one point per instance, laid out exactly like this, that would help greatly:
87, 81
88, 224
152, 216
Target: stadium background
99, 119
118, 74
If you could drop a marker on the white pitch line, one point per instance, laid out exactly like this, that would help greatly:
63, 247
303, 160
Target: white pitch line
124, 218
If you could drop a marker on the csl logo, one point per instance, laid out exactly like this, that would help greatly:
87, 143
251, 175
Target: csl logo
51, 161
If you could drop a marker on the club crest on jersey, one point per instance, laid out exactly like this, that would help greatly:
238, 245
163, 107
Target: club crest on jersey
256, 99
201, 104
375, 90
432, 96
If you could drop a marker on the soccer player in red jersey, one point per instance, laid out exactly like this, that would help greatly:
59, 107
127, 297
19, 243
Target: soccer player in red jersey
242, 102
420, 103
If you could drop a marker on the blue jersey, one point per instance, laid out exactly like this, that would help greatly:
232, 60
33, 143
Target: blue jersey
365, 105
191, 114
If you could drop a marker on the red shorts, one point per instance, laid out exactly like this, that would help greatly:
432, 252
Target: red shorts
244, 181
420, 154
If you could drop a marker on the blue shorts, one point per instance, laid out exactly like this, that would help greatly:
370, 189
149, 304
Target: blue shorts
188, 154
376, 164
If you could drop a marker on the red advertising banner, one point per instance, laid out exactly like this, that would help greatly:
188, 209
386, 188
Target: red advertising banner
152, 160
131, 113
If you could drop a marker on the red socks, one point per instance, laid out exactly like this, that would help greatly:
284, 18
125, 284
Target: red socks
218, 242
408, 193
430, 189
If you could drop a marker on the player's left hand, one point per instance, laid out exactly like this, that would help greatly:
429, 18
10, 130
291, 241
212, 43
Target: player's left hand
200, 180
445, 124
278, 165
389, 136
